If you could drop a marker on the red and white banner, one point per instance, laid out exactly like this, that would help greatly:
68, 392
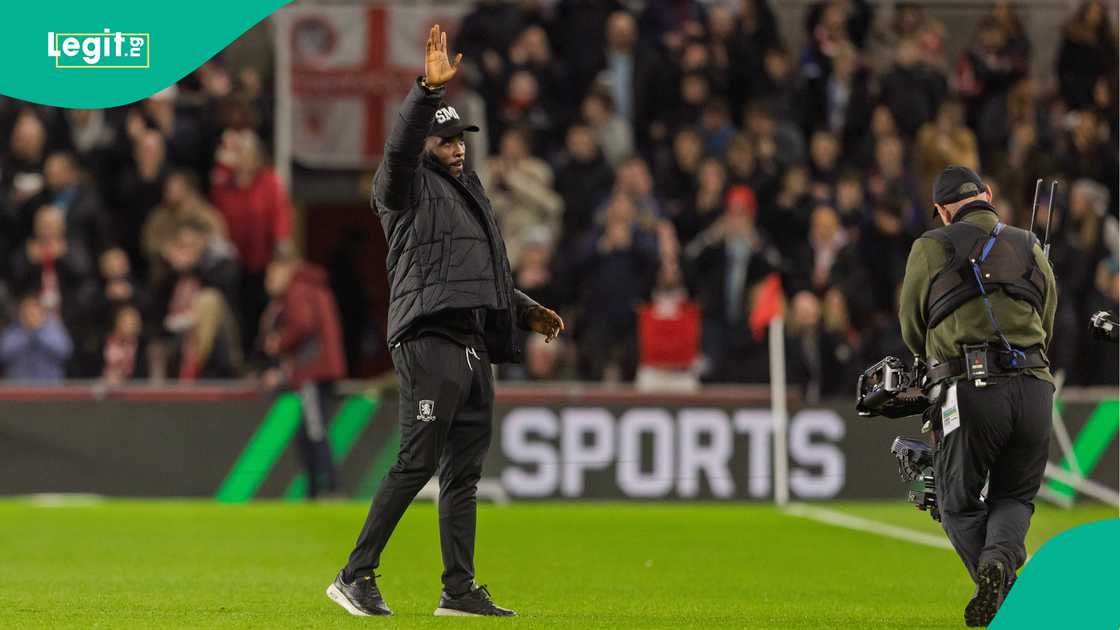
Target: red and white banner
350, 67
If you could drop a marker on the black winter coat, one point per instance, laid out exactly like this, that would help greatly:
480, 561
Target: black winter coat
445, 248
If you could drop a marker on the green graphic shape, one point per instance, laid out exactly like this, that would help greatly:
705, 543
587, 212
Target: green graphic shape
1091, 444
384, 460
262, 451
343, 433
81, 54
1069, 583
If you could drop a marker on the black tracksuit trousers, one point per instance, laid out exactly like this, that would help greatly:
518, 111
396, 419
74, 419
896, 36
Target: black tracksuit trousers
446, 404
1003, 438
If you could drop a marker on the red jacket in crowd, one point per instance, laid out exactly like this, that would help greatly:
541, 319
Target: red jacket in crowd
259, 216
306, 325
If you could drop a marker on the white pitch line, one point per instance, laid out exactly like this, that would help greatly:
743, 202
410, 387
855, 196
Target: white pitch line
840, 519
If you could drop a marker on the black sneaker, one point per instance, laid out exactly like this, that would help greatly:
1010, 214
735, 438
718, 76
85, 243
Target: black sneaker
474, 603
991, 587
359, 597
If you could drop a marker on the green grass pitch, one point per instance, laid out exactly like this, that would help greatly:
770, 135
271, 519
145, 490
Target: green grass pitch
152, 564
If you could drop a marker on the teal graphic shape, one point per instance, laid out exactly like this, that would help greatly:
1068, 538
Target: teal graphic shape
170, 40
1070, 583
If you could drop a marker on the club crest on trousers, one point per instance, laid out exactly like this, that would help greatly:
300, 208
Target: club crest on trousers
427, 411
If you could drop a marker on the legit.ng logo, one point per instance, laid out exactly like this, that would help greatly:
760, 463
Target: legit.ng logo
104, 50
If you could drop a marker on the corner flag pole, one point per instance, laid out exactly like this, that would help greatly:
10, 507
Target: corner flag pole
778, 411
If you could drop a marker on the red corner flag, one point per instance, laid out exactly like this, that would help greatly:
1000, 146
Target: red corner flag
767, 305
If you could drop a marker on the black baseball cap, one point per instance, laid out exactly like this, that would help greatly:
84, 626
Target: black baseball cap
956, 183
447, 124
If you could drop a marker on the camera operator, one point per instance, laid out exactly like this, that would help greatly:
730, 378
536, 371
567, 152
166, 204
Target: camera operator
986, 346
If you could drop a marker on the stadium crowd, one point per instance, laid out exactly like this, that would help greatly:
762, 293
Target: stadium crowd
667, 179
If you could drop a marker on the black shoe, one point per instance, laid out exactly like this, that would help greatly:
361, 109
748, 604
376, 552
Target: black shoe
359, 597
474, 603
991, 587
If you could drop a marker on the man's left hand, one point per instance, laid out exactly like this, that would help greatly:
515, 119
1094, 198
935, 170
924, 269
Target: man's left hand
546, 322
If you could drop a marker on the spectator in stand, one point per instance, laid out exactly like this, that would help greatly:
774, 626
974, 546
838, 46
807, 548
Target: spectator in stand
779, 89
829, 260
739, 53
87, 221
520, 190
633, 77
139, 189
786, 218
824, 156
60, 272
1087, 53
534, 277
255, 205
678, 174
828, 33
612, 131
531, 51
725, 266
818, 357
185, 142
886, 246
944, 141
633, 180
838, 20
522, 107
909, 20
841, 101
182, 199
197, 331
578, 29
583, 180
114, 290
707, 202
668, 336
1020, 164
21, 178
96, 142
912, 89
777, 144
301, 334
123, 355
617, 264
716, 127
891, 176
489, 29
36, 346
695, 90
850, 202
1087, 150
985, 76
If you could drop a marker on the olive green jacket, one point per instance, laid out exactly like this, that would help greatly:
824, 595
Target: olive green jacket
1022, 326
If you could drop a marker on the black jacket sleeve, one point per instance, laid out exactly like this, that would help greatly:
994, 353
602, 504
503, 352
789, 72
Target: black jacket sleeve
522, 304
394, 182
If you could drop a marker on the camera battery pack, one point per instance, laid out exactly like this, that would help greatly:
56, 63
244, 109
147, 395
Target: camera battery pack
976, 361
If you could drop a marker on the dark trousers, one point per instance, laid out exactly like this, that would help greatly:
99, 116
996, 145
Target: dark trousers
446, 404
315, 407
1003, 438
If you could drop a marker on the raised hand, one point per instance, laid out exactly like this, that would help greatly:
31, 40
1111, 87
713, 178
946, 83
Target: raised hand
438, 68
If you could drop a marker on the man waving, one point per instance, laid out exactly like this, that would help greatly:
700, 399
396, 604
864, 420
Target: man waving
452, 312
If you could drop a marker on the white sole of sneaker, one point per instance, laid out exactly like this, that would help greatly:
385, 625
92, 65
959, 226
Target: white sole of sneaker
340, 599
451, 612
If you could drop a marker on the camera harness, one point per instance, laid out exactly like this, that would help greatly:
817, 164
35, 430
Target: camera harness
1016, 353
980, 263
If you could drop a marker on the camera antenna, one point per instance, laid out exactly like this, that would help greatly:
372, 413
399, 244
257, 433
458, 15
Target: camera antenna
1049, 219
1034, 206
